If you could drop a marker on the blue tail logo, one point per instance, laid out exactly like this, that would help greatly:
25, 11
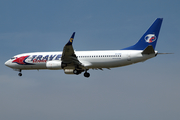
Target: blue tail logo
149, 38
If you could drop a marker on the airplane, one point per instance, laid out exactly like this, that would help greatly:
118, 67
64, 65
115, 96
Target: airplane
76, 62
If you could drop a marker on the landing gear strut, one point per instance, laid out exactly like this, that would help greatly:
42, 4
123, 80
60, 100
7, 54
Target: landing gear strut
86, 74
20, 74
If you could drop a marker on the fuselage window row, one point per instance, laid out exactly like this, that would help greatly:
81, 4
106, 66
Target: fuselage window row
92, 56
99, 56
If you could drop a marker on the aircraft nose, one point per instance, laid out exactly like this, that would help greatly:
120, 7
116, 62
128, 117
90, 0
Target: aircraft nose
7, 63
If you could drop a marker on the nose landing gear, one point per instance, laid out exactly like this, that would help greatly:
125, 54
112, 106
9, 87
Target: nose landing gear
20, 74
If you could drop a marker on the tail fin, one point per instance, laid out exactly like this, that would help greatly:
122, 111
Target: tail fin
149, 38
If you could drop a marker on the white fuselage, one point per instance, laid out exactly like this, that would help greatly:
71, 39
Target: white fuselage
89, 59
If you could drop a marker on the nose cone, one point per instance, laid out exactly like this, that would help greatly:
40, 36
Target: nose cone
7, 63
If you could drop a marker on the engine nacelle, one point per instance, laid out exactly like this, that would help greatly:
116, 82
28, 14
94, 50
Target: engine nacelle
53, 65
69, 71
73, 71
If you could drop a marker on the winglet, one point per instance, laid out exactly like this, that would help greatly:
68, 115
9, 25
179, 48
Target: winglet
71, 39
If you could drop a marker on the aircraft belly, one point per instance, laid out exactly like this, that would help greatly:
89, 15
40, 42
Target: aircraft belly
31, 67
39, 65
106, 63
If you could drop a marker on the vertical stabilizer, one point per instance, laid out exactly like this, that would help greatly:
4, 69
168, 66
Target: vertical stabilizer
149, 38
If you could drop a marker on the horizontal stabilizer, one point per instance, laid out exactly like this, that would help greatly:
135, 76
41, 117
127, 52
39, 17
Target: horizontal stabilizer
148, 50
165, 53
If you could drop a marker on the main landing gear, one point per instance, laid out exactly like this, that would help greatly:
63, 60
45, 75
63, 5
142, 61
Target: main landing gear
86, 74
20, 74
77, 72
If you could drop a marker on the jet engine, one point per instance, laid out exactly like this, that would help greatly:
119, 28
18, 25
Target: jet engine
53, 65
69, 71
73, 71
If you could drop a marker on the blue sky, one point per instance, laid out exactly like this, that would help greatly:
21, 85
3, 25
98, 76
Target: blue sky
148, 90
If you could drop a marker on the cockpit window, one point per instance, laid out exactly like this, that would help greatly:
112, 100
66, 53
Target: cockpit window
12, 58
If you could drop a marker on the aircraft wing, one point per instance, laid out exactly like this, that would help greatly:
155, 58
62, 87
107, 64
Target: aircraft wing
69, 58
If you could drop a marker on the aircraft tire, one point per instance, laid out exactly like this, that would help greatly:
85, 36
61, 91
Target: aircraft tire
86, 74
20, 74
76, 72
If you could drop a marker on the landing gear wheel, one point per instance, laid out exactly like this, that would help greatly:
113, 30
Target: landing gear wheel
86, 74
20, 74
76, 72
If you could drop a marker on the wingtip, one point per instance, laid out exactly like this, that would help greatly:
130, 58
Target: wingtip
73, 35
71, 39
